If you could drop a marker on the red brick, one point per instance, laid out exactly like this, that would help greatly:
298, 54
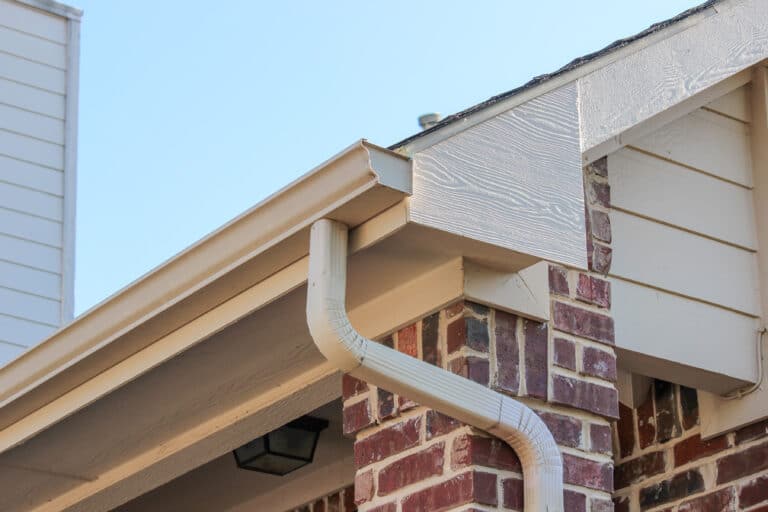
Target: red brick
591, 397
582, 322
626, 431
679, 486
513, 490
689, 407
472, 450
407, 342
594, 291
457, 308
600, 259
386, 404
457, 491
536, 358
507, 353
599, 167
694, 448
478, 336
600, 505
667, 420
363, 487
318, 506
565, 429
587, 473
356, 417
439, 424
456, 335
405, 404
565, 353
600, 224
411, 469
752, 432
754, 492
599, 363
349, 499
485, 488
638, 469
744, 463
558, 280
350, 386
387, 442
719, 501
646, 423
621, 504
472, 368
574, 501
429, 340
600, 438
599, 193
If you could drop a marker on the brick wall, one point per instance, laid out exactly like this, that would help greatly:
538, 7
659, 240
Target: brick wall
662, 464
411, 458
342, 500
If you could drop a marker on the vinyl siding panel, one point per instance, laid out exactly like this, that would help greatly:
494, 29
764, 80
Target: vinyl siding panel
33, 48
684, 271
30, 307
32, 73
33, 21
735, 104
670, 193
32, 124
25, 332
9, 351
30, 98
30, 254
31, 150
706, 141
26, 174
35, 257
685, 264
678, 329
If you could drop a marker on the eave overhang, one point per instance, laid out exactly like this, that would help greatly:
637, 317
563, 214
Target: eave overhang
352, 187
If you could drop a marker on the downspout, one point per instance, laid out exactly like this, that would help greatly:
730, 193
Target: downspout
429, 385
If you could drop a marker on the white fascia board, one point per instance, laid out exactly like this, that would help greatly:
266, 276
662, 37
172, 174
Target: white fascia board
266, 238
53, 7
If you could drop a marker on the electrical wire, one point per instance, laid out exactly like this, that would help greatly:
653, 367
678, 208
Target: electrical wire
741, 393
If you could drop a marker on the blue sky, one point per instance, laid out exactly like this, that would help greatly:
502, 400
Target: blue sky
191, 112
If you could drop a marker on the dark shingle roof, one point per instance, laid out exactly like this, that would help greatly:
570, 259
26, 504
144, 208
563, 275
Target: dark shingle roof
575, 63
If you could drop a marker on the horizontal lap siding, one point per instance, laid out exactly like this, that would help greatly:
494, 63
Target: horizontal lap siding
33, 81
684, 269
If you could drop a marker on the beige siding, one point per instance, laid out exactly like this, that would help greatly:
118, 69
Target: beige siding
34, 56
684, 269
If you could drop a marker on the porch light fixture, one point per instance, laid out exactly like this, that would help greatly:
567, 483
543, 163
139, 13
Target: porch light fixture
286, 449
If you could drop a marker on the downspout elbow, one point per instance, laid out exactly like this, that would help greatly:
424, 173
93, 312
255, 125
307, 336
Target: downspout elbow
431, 386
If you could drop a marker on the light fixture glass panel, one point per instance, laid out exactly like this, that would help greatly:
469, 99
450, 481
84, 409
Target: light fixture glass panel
292, 441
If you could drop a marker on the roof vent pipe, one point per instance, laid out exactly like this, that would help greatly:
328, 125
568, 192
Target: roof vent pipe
434, 387
427, 121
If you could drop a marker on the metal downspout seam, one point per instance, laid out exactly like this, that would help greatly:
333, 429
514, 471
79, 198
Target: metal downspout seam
450, 394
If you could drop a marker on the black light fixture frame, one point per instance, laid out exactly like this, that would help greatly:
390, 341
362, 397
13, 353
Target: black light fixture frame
306, 423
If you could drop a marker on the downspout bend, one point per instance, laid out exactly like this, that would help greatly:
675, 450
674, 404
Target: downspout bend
429, 385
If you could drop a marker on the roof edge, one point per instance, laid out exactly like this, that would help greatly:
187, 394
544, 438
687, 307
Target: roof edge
53, 7
542, 84
364, 176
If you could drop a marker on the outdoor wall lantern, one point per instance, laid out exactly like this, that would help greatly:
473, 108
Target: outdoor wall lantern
283, 450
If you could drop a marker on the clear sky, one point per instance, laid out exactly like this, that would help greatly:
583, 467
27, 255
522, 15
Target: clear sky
191, 112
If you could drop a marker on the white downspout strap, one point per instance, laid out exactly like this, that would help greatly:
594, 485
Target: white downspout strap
428, 385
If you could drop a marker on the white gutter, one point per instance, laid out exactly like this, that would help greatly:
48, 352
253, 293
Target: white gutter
429, 385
